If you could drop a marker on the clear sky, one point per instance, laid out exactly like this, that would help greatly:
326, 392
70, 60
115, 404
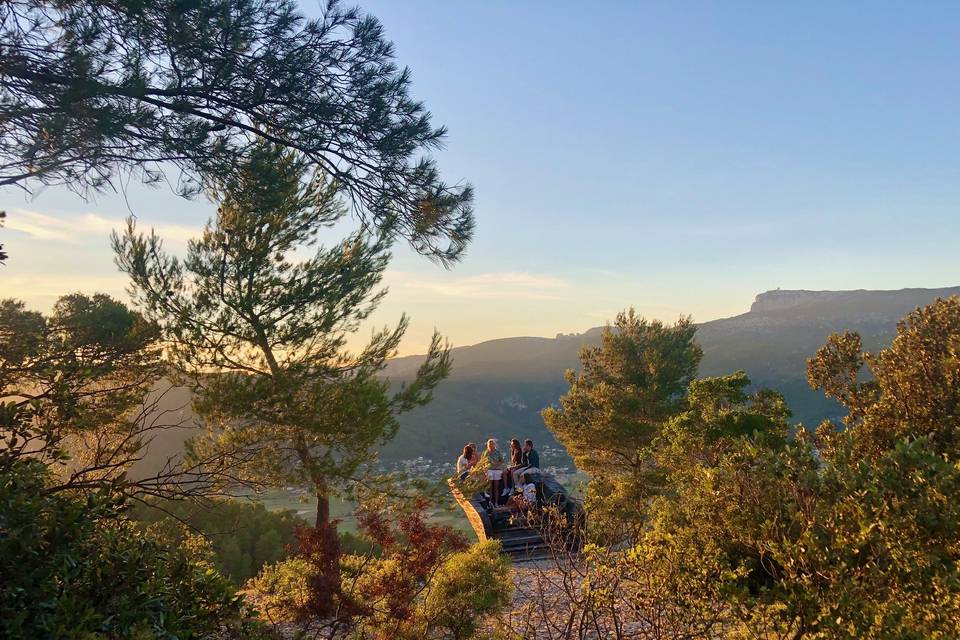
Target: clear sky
679, 157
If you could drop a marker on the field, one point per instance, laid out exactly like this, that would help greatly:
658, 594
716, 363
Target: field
343, 509
304, 506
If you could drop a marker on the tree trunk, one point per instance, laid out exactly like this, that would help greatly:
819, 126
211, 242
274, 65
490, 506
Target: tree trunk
323, 511
325, 556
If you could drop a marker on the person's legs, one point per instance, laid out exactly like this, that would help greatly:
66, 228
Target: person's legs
508, 479
494, 475
518, 476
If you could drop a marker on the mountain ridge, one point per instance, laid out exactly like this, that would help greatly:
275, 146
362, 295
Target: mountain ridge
771, 342
498, 387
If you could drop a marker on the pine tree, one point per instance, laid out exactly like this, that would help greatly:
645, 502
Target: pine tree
260, 333
627, 389
95, 91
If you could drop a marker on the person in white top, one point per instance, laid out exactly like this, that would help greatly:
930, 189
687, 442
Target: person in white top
530, 493
525, 500
466, 461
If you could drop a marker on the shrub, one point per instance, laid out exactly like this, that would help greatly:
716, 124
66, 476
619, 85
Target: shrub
426, 582
281, 591
73, 566
468, 586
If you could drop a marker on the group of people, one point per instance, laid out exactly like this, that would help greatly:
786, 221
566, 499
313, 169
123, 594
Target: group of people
505, 479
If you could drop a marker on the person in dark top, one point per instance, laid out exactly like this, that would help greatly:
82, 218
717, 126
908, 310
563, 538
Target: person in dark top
516, 461
530, 456
531, 463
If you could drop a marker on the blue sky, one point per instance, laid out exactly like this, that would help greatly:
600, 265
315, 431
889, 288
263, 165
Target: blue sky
677, 157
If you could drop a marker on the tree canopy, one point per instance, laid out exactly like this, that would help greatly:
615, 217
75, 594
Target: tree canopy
73, 384
259, 332
626, 390
913, 388
81, 389
243, 536
91, 89
761, 530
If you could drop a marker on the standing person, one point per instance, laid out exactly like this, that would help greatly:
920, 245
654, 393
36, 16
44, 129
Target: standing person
516, 461
531, 463
494, 459
466, 460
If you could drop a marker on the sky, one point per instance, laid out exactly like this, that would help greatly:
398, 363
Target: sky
678, 157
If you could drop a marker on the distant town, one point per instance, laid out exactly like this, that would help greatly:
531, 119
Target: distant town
554, 460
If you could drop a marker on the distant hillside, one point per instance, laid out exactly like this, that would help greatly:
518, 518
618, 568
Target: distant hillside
499, 387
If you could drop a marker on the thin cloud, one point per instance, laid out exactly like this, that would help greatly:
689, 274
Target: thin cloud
502, 285
37, 225
74, 229
40, 291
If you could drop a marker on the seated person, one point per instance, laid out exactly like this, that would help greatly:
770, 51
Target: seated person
531, 463
516, 461
525, 500
475, 456
466, 461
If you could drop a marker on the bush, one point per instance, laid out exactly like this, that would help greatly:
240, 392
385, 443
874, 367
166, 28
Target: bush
469, 585
426, 582
281, 591
418, 581
75, 567
852, 535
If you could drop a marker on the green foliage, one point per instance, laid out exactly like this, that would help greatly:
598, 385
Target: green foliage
92, 89
914, 388
844, 550
419, 581
468, 586
75, 382
719, 412
357, 545
863, 542
476, 481
72, 566
281, 591
384, 593
450, 600
627, 389
757, 534
242, 536
287, 403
